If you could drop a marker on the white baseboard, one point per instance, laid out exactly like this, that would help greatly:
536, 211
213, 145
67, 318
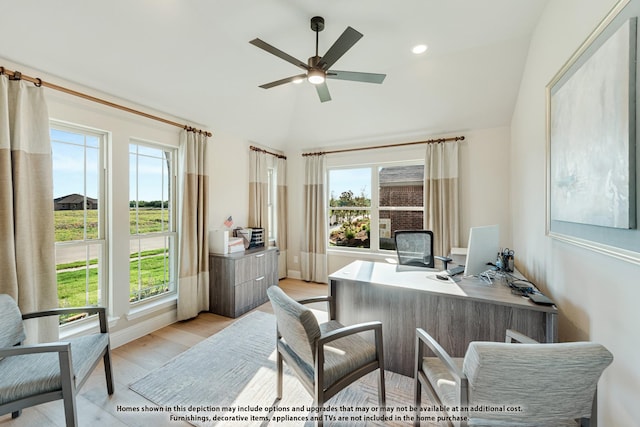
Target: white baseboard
143, 328
294, 274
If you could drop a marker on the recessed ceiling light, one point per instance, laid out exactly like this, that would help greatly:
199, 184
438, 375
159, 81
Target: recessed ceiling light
418, 49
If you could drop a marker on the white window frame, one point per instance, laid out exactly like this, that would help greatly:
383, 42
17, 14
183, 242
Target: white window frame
103, 231
170, 235
374, 232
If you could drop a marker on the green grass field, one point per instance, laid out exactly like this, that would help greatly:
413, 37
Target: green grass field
78, 285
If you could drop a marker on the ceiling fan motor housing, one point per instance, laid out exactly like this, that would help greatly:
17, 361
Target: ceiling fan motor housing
317, 23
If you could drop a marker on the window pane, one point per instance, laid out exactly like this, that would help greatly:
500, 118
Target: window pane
350, 207
151, 201
79, 235
391, 221
150, 269
401, 185
350, 187
350, 228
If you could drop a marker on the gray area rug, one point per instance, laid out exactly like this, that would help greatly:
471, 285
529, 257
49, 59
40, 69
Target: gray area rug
230, 379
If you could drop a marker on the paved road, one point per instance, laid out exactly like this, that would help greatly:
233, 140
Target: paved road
78, 253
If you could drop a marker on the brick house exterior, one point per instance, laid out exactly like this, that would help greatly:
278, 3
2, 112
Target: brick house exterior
400, 186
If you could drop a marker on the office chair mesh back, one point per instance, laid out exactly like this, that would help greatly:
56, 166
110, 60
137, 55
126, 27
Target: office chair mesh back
296, 324
11, 326
415, 247
550, 382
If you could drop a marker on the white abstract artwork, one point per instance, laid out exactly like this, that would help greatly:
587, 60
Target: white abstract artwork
591, 146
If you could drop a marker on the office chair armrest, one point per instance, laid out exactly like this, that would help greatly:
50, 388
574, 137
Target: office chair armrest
445, 260
100, 311
515, 336
327, 298
52, 347
423, 337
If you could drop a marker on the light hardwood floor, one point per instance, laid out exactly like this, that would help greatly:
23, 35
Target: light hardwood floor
134, 360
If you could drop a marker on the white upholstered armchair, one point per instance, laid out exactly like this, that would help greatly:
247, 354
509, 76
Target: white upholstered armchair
35, 374
325, 357
508, 384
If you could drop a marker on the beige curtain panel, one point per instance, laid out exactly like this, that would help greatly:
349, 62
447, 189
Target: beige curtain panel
441, 189
258, 190
313, 256
193, 219
27, 239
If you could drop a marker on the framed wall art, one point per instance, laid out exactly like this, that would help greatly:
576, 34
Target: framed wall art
592, 180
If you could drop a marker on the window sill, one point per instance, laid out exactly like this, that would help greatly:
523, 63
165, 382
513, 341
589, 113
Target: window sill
83, 327
145, 308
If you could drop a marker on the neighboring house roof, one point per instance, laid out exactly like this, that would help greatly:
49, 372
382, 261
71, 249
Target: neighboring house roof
74, 198
405, 175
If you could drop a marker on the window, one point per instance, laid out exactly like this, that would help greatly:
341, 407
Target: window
152, 217
80, 226
360, 218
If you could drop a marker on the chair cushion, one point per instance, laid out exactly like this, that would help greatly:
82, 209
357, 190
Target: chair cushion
341, 356
11, 326
26, 375
344, 355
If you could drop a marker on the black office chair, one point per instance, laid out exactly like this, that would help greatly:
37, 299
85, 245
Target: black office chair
415, 248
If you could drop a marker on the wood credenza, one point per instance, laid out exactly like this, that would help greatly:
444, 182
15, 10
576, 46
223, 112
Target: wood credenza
238, 282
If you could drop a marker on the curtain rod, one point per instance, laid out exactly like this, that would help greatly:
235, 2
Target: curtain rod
429, 141
280, 156
17, 75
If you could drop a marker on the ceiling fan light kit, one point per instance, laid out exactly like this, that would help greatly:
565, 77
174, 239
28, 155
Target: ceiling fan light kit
318, 68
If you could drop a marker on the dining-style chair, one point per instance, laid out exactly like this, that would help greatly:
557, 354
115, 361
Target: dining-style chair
39, 373
325, 357
516, 383
415, 248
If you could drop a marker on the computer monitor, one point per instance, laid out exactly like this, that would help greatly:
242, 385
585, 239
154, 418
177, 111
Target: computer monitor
483, 247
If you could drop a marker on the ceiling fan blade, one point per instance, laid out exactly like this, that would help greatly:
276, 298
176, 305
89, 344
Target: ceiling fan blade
280, 54
356, 76
283, 81
323, 92
348, 38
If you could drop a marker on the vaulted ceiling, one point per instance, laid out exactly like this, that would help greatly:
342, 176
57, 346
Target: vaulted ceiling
192, 59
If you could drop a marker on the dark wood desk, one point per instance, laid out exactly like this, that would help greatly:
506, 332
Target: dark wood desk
405, 298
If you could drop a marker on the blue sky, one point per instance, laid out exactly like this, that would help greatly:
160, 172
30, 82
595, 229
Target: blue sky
73, 153
356, 180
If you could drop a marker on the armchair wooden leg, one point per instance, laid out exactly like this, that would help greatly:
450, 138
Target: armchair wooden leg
280, 375
68, 388
319, 404
417, 399
382, 393
16, 414
108, 372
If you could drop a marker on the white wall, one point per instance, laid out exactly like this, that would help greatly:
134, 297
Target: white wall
595, 293
229, 180
484, 183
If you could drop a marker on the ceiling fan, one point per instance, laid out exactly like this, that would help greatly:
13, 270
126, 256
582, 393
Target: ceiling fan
318, 67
